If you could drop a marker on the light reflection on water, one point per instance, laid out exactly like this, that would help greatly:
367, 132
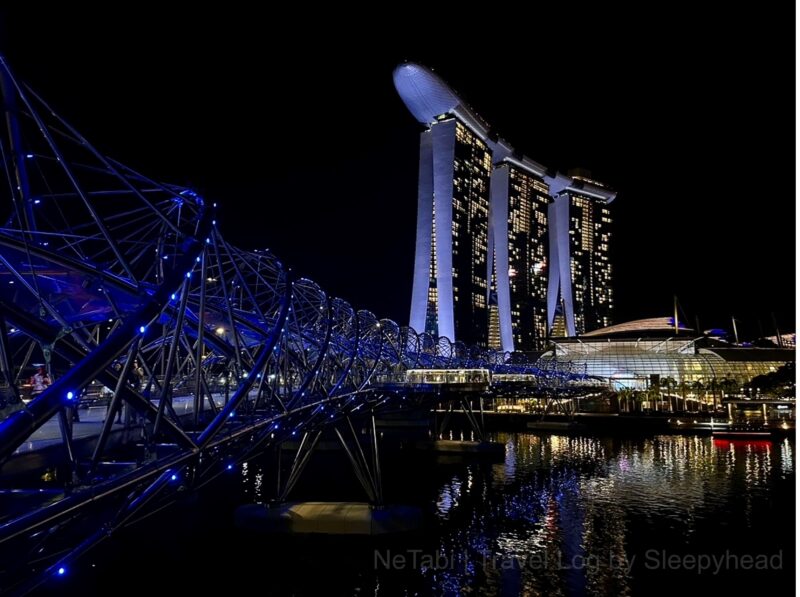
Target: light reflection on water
564, 515
557, 515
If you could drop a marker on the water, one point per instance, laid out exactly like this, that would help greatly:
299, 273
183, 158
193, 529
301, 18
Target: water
558, 516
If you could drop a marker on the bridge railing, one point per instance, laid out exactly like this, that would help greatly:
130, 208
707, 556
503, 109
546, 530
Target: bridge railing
436, 377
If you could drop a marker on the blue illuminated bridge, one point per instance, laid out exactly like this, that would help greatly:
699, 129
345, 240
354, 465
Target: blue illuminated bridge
126, 292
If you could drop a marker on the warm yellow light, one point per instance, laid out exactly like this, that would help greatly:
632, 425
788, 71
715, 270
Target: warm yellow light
220, 330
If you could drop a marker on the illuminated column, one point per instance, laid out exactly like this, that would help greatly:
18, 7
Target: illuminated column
560, 278
444, 140
422, 260
498, 253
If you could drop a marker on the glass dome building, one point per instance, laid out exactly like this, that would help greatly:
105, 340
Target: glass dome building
639, 353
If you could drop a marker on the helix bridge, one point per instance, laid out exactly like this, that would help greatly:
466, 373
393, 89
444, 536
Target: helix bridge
124, 287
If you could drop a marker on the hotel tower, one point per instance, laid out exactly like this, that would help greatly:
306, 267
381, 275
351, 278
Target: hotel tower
507, 252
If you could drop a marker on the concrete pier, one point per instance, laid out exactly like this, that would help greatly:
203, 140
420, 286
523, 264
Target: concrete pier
447, 446
330, 518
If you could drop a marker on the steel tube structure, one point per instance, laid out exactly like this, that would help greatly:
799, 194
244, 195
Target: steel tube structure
104, 274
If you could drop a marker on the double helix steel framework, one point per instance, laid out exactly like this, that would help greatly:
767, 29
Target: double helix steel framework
115, 283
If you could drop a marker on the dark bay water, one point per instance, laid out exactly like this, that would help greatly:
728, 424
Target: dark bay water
558, 515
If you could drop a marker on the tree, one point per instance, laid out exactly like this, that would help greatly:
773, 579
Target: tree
638, 397
623, 395
776, 383
714, 384
728, 386
669, 384
653, 394
684, 386
698, 387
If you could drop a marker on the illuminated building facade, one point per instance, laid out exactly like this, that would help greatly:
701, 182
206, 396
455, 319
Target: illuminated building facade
630, 354
484, 271
452, 233
520, 200
580, 296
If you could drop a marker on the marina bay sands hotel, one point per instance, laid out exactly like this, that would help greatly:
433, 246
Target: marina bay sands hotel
508, 253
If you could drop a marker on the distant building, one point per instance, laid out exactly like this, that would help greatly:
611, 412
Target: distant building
519, 216
784, 340
637, 354
580, 291
498, 263
450, 285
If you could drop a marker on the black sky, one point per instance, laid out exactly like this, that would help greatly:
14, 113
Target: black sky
309, 151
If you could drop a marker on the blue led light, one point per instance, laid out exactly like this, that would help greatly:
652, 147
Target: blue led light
174, 477
70, 395
232, 413
142, 329
29, 156
61, 571
37, 201
188, 274
213, 222
172, 297
230, 467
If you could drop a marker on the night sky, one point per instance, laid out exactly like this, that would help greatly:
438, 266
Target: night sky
310, 152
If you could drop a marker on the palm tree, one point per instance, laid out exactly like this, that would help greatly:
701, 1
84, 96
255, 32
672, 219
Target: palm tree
698, 387
638, 397
623, 396
683, 387
669, 383
653, 394
728, 386
714, 385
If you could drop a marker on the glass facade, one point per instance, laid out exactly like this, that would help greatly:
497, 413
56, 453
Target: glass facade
590, 266
431, 321
448, 376
632, 363
602, 292
494, 328
528, 198
472, 169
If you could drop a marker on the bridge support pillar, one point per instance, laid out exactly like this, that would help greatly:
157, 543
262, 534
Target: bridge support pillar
304, 451
367, 470
365, 460
476, 420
